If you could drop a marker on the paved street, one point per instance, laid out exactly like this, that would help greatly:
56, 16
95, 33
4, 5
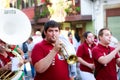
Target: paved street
28, 76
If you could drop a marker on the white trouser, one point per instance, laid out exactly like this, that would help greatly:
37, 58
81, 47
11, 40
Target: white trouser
72, 70
86, 75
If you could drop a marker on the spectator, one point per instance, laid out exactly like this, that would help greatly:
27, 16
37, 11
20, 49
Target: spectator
76, 40
37, 37
70, 37
30, 47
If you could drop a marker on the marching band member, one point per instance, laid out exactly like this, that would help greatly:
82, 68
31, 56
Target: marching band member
106, 57
85, 59
45, 55
6, 57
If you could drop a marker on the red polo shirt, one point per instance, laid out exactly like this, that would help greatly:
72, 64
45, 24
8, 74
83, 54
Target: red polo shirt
84, 53
108, 71
4, 60
58, 71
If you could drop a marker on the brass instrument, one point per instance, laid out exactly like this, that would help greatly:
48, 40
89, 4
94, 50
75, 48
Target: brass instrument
71, 59
15, 28
12, 75
8, 75
67, 51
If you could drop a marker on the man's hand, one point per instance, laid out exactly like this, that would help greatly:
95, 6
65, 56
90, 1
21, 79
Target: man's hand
7, 66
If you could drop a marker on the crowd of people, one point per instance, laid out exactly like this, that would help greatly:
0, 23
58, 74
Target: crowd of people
89, 54
96, 57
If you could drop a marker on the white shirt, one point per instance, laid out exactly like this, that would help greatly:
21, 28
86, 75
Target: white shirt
30, 46
37, 39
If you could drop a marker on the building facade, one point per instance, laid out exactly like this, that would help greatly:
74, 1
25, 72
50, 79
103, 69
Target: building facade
106, 13
79, 16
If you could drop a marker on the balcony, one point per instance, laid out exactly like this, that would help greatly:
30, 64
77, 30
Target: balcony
65, 11
68, 11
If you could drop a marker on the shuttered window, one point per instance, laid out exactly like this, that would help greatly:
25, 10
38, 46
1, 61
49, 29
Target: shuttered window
114, 26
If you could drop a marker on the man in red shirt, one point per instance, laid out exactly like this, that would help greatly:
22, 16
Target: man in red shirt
5, 58
85, 57
45, 55
105, 57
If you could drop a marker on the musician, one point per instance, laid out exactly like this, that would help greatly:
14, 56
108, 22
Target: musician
105, 57
45, 55
2, 43
17, 49
84, 54
5, 59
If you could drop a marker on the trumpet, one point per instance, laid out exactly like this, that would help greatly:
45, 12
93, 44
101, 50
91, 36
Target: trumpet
71, 59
